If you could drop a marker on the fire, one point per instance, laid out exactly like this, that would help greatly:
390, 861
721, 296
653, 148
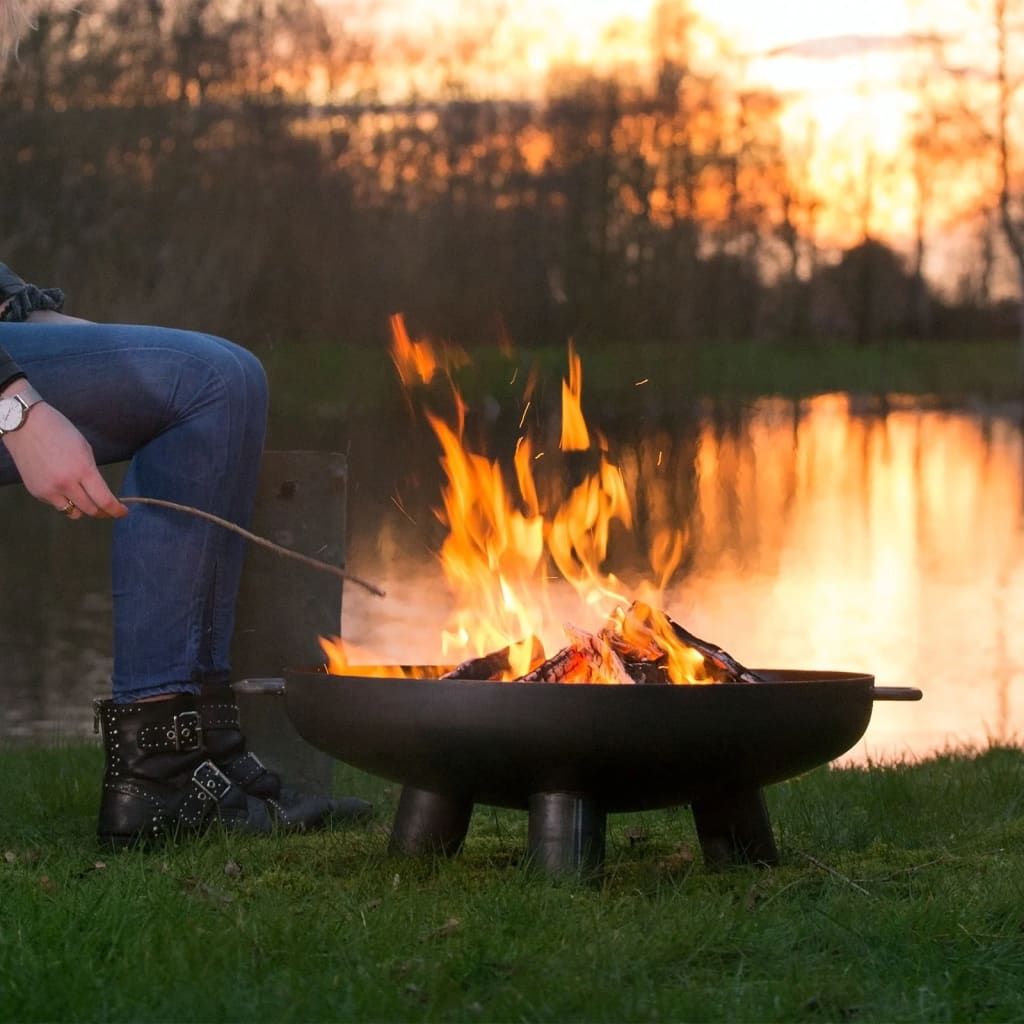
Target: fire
345, 659
575, 436
416, 362
648, 630
493, 552
413, 359
505, 545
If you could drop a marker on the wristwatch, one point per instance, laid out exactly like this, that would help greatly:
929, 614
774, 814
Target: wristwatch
14, 410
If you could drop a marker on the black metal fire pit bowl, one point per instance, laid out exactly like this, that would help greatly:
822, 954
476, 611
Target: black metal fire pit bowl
572, 754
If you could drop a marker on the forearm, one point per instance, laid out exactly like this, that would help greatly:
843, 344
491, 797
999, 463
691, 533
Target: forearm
21, 302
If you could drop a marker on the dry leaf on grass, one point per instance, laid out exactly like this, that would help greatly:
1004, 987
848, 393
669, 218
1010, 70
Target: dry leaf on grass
450, 927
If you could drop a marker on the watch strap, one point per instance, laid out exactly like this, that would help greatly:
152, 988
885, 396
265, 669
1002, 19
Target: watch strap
27, 397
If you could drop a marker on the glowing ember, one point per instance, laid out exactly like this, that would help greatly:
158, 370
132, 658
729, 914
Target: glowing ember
504, 546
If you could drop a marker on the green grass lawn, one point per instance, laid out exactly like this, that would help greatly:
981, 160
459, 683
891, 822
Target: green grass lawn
358, 380
900, 897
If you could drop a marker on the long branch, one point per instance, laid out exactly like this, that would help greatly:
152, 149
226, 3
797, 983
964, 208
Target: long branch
262, 541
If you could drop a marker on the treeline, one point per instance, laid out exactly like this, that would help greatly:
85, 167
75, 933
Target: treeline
160, 163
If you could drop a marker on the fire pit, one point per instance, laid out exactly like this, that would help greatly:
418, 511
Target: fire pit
571, 755
635, 715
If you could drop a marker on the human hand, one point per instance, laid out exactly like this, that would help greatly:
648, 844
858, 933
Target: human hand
57, 465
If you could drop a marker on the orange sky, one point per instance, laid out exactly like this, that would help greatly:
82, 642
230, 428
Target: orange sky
841, 67
847, 73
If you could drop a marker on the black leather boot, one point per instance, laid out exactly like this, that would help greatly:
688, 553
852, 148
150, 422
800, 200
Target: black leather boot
158, 782
226, 746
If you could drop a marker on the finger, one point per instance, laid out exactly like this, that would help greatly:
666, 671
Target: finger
84, 505
67, 508
102, 499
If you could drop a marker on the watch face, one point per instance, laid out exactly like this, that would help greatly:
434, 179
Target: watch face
11, 414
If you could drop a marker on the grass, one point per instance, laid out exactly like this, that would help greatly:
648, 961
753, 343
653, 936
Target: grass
900, 897
356, 380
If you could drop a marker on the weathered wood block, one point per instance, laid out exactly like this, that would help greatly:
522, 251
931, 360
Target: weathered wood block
283, 605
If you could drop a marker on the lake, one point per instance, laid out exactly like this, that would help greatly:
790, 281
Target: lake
830, 533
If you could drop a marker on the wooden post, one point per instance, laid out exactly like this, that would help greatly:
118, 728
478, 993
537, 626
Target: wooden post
283, 606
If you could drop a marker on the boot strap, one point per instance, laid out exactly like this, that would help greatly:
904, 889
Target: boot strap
246, 769
220, 716
182, 734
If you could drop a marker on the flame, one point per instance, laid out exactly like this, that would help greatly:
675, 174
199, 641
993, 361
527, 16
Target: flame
493, 551
345, 659
578, 534
414, 360
575, 436
650, 629
509, 536
417, 362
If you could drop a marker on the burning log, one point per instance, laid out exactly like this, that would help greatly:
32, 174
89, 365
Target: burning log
495, 665
634, 642
640, 635
587, 659
637, 645
715, 656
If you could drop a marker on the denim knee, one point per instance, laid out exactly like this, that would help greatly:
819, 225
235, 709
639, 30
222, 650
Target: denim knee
240, 371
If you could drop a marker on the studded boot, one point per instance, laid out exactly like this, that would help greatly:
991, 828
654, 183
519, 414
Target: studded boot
158, 782
226, 747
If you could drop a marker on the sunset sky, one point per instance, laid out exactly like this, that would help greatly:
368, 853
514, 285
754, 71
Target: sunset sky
846, 71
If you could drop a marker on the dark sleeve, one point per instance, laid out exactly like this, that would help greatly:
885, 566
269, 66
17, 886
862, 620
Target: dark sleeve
23, 298
10, 285
9, 369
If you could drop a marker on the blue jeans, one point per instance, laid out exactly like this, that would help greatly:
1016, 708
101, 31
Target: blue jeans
188, 412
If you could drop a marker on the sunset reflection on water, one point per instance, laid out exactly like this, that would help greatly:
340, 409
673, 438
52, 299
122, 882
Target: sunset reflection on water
821, 537
826, 534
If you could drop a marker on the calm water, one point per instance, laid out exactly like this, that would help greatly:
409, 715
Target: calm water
820, 536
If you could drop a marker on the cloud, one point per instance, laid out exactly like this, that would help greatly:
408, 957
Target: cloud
833, 47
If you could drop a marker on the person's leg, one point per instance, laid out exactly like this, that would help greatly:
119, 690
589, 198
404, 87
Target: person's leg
188, 410
219, 620
207, 458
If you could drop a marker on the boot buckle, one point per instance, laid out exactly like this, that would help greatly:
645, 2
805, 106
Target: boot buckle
212, 781
187, 732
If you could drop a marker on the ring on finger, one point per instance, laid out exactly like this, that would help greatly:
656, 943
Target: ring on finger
68, 508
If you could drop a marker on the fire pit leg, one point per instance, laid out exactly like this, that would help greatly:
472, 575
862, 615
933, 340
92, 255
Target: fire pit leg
566, 833
429, 823
734, 828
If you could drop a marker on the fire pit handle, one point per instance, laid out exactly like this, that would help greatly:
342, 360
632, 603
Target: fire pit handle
895, 693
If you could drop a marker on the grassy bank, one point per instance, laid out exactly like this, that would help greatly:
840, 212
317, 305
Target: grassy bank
360, 379
900, 897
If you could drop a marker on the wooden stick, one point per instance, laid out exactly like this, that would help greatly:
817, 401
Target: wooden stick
262, 541
835, 874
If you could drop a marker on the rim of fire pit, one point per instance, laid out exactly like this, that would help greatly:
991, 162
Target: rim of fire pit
630, 747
